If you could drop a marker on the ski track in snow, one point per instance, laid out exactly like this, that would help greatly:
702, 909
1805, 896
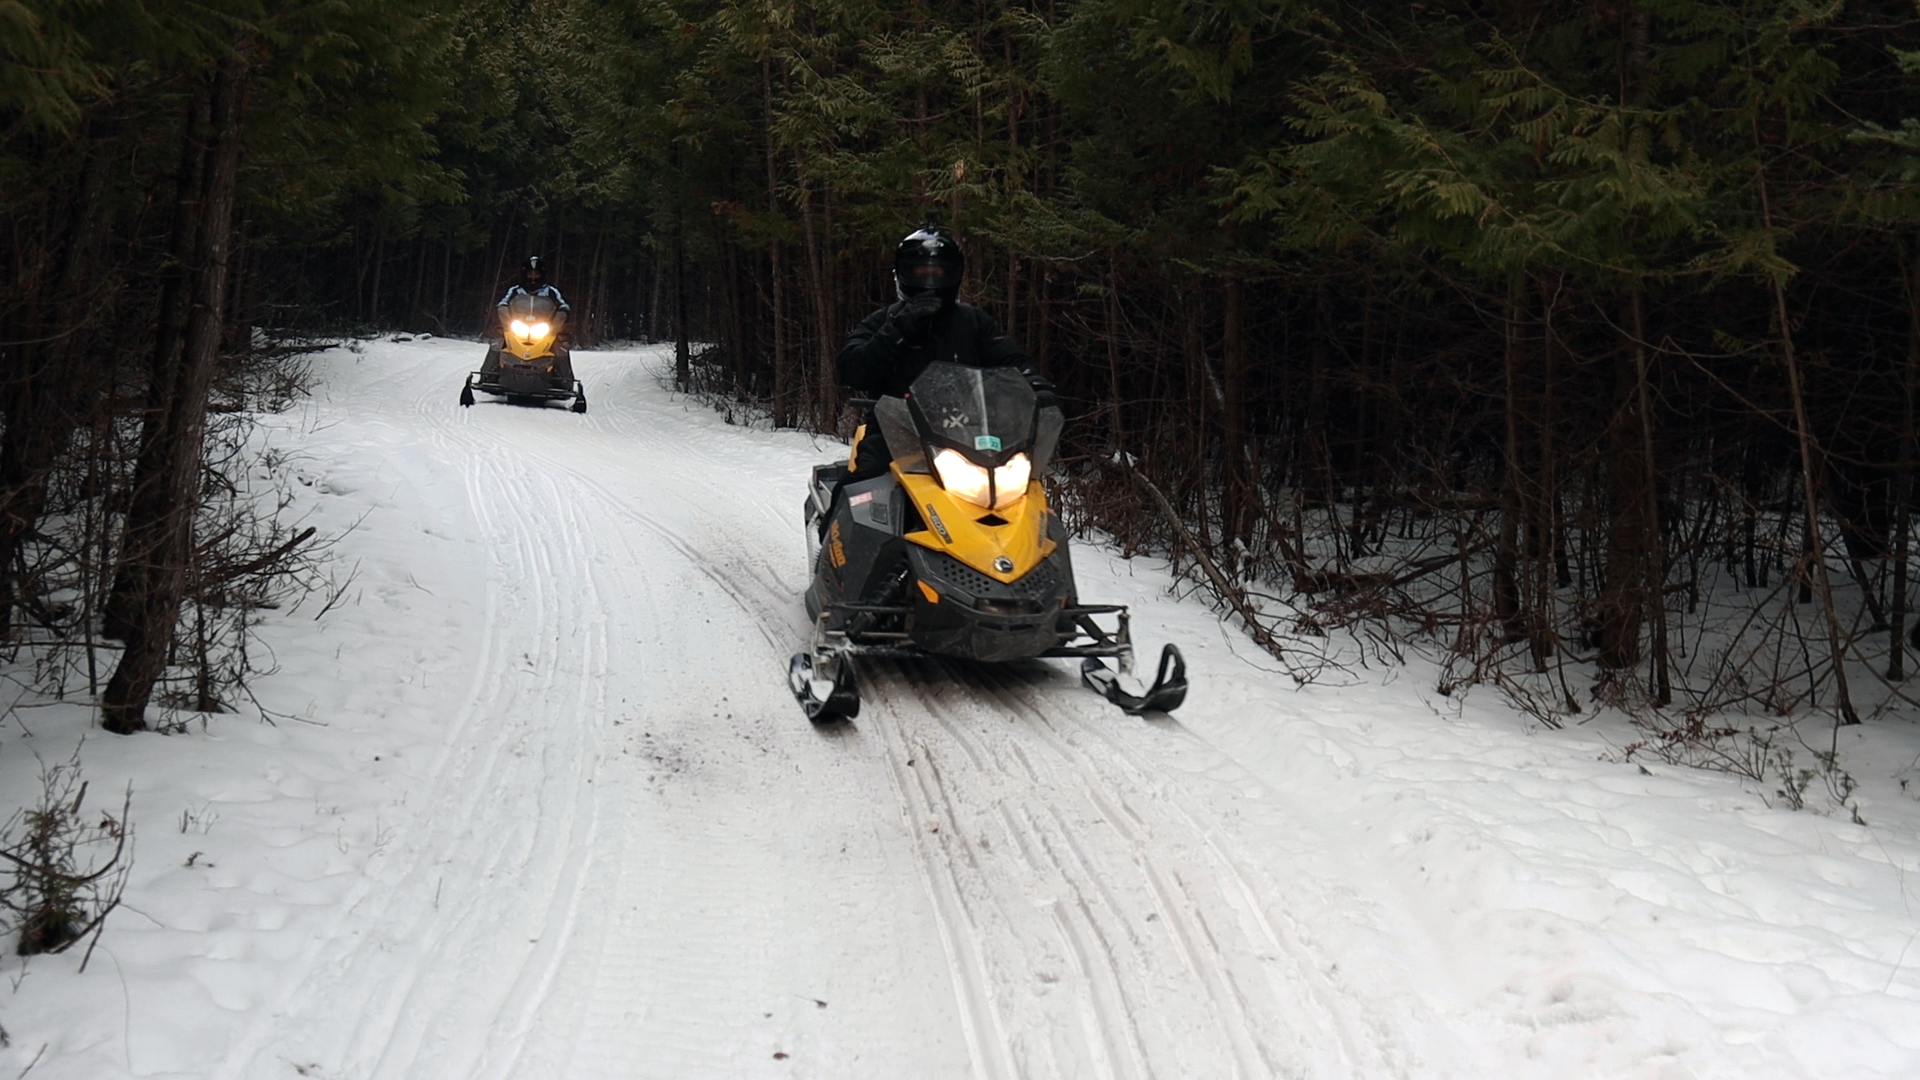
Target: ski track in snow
615, 848
529, 726
1099, 921
1092, 921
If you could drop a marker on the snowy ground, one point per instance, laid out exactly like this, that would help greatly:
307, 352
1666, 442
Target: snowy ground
547, 810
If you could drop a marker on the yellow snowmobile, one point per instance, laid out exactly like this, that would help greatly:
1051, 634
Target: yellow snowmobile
530, 365
954, 552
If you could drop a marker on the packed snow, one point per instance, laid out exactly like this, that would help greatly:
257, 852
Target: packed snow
533, 800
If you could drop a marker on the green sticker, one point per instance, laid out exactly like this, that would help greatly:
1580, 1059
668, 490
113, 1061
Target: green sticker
987, 442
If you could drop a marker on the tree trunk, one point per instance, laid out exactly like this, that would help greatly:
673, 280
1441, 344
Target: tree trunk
682, 345
1240, 509
61, 375
1811, 466
653, 305
163, 542
1630, 530
495, 287
176, 295
1514, 504
419, 280
379, 266
1903, 476
446, 278
783, 411
1655, 562
826, 377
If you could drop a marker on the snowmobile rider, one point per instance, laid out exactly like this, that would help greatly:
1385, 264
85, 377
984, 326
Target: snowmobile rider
892, 346
533, 282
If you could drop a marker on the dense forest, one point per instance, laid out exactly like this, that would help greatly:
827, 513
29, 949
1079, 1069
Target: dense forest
1556, 337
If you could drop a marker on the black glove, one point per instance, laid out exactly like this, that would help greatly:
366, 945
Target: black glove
912, 318
1043, 390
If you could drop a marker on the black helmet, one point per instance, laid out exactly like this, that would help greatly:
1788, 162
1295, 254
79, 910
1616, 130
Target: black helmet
928, 259
534, 267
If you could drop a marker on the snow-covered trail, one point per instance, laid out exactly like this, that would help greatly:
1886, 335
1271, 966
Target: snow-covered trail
633, 856
602, 874
536, 803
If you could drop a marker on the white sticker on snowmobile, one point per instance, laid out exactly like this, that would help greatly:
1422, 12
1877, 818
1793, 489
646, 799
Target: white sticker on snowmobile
987, 442
860, 498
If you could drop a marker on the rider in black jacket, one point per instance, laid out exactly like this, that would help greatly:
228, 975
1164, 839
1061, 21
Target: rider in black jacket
892, 346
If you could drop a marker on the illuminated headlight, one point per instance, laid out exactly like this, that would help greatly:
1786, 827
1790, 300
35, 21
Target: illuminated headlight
961, 477
1010, 481
540, 329
520, 328
968, 481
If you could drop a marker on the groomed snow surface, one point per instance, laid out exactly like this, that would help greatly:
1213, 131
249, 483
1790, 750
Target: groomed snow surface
540, 805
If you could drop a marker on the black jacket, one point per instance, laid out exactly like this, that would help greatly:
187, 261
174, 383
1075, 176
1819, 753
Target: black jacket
877, 363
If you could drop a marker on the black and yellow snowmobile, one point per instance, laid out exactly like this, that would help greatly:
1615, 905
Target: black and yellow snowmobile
954, 551
530, 365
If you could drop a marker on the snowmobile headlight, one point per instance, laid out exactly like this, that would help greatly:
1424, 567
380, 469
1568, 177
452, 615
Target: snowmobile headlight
1010, 481
540, 329
962, 477
520, 328
968, 481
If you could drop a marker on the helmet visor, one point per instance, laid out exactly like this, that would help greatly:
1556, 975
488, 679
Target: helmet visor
930, 277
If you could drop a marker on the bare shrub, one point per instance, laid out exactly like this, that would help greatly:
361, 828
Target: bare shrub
68, 869
1769, 756
249, 554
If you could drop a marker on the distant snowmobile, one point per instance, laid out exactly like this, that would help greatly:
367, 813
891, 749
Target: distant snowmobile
954, 552
529, 366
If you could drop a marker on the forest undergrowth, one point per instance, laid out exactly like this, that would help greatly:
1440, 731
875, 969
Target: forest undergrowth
1336, 590
250, 554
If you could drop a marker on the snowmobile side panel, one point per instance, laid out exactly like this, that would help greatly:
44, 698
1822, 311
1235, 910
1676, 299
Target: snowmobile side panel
872, 504
860, 556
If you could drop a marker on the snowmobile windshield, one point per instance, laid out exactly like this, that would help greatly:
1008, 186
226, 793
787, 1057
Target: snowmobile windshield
986, 413
529, 308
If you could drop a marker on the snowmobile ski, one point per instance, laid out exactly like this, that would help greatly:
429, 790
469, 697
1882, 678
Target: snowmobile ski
827, 692
1169, 687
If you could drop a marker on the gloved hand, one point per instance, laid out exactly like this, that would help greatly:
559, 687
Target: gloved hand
912, 318
1043, 390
